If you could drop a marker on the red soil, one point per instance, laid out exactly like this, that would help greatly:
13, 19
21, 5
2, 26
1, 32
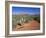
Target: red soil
31, 25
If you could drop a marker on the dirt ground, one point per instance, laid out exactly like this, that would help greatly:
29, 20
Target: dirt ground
31, 25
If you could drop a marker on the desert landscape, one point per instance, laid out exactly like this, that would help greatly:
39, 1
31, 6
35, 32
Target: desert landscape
26, 22
25, 18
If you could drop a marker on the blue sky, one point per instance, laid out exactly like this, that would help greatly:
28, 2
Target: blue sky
25, 10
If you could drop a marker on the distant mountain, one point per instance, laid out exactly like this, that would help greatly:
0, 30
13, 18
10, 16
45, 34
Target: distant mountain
27, 14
